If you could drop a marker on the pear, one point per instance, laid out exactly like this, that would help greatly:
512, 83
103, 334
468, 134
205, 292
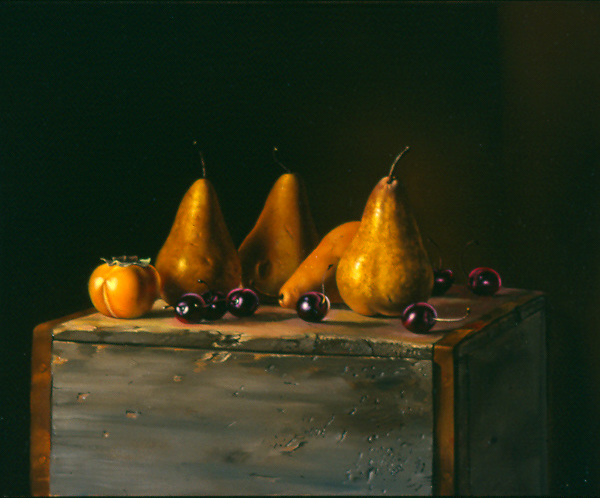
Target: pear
283, 236
385, 268
199, 247
319, 268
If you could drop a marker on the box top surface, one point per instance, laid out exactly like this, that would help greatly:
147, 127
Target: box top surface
273, 329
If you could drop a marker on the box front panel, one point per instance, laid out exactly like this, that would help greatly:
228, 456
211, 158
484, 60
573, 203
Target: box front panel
164, 421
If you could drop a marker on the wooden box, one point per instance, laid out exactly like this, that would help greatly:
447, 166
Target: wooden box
274, 405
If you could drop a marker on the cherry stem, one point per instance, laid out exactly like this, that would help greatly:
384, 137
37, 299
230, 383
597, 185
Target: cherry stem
455, 319
278, 161
391, 173
462, 256
439, 252
201, 160
323, 279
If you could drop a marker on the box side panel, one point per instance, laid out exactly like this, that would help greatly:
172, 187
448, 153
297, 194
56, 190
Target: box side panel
162, 421
501, 409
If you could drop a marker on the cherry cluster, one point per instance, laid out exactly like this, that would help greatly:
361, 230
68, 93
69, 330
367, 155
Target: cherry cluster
311, 307
482, 281
212, 305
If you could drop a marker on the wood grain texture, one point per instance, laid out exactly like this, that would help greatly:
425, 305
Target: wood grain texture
41, 391
160, 421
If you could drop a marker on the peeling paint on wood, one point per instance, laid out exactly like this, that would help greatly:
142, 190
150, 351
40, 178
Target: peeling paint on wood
276, 424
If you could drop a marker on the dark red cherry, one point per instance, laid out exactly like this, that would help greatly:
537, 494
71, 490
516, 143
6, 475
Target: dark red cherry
189, 308
242, 302
482, 281
421, 317
442, 278
215, 305
313, 306
442, 281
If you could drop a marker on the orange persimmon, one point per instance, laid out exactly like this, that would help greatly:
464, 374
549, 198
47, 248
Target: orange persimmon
124, 287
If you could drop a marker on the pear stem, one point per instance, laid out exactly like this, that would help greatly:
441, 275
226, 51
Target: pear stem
391, 173
455, 319
201, 160
439, 252
278, 161
462, 256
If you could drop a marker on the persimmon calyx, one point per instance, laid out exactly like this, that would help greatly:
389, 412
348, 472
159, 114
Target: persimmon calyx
127, 261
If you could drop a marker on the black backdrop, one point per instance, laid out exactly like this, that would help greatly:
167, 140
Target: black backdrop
100, 103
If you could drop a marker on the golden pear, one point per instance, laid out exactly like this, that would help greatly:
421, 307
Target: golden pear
283, 236
385, 268
199, 247
318, 269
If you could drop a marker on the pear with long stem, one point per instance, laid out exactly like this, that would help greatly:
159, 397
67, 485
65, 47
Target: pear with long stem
198, 246
385, 268
283, 236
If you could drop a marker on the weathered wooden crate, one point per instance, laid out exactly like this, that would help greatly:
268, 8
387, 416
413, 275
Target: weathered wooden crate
274, 405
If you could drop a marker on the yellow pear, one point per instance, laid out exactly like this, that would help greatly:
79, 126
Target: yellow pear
385, 268
199, 247
283, 236
319, 268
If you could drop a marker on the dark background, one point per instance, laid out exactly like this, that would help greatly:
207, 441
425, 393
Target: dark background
499, 102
